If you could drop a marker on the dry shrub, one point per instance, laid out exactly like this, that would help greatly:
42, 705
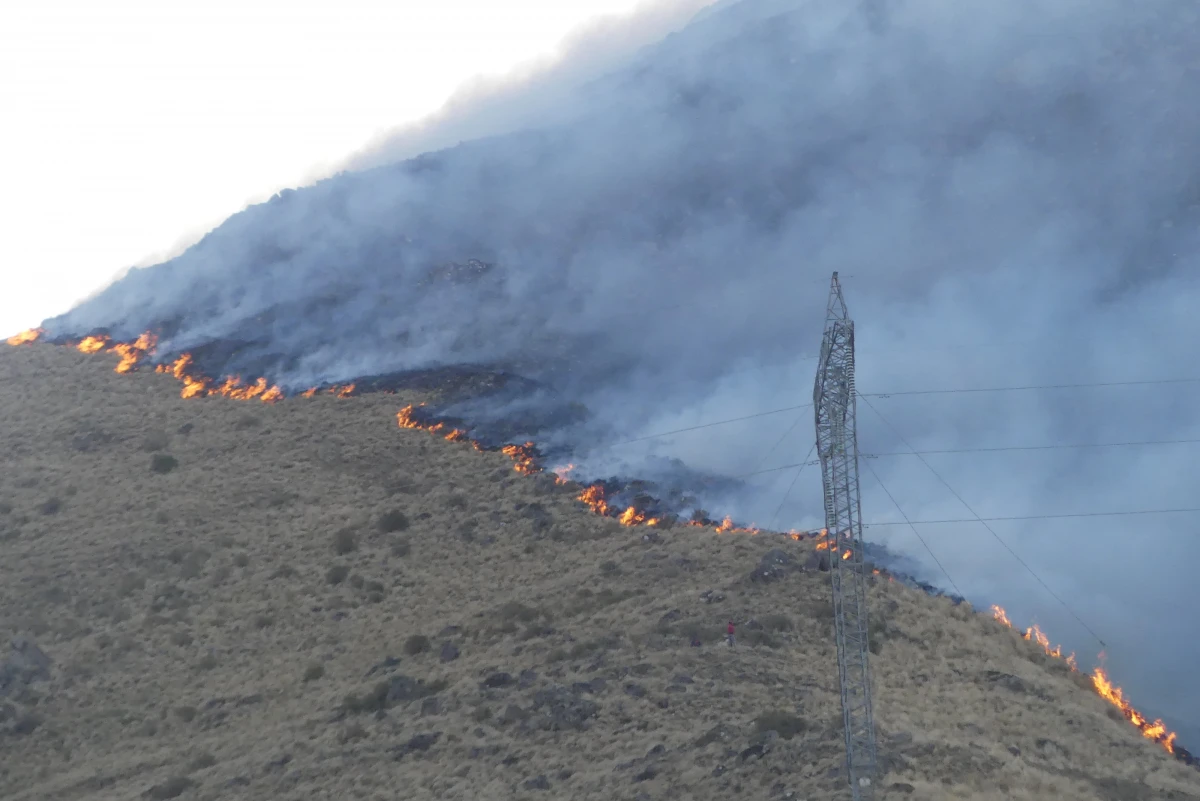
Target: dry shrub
785, 724
416, 644
163, 463
393, 521
344, 541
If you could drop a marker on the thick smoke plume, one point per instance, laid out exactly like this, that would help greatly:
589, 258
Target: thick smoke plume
1010, 191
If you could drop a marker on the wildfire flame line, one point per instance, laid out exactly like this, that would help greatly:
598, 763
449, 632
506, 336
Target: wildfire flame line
195, 383
1155, 730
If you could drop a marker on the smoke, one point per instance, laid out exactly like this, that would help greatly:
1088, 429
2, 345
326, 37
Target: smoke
1010, 190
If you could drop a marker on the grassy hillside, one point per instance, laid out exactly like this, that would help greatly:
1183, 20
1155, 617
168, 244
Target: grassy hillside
305, 601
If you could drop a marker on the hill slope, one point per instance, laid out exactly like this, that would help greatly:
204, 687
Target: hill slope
228, 626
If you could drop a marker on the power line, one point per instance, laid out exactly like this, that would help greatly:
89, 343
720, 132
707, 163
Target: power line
1088, 385
965, 390
712, 424
1067, 516
932, 555
981, 521
1067, 446
779, 442
795, 478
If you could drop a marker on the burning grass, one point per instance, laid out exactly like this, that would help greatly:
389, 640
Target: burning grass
1155, 731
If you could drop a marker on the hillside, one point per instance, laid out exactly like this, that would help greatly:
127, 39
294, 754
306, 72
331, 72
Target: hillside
306, 601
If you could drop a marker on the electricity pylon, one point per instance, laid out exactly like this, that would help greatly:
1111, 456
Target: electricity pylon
837, 444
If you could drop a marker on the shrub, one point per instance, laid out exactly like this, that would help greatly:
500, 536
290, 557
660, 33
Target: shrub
393, 521
416, 644
785, 724
337, 574
344, 542
163, 463
314, 672
51, 506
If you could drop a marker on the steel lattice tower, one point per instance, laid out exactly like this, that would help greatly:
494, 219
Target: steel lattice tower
837, 445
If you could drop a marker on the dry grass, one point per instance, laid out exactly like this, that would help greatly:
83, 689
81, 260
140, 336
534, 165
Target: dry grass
472, 646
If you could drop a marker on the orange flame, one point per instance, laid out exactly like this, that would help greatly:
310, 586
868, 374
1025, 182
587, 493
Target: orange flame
525, 462
1155, 731
196, 385
26, 337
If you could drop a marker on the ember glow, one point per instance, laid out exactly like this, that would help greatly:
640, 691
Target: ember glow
1155, 730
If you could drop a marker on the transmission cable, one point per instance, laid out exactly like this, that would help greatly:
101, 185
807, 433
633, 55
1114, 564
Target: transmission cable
710, 425
778, 442
932, 555
1067, 446
981, 521
1067, 516
795, 478
1146, 382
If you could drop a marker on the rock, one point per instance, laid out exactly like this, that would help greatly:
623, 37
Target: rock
449, 652
513, 714
657, 750
526, 678
537, 783
646, 775
1012, 749
775, 564
711, 597
560, 708
497, 680
817, 560
405, 688
1006, 680
670, 617
388, 664
757, 751
25, 664
417, 744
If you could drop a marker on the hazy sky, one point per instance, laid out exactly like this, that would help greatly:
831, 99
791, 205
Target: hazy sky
133, 126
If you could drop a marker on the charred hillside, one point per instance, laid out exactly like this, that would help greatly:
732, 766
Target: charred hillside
246, 600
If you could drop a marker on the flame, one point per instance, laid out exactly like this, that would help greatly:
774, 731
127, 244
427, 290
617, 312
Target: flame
196, 385
523, 456
92, 344
562, 473
26, 337
1155, 731
593, 496
406, 419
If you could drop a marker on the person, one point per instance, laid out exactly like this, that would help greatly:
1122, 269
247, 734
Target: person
729, 633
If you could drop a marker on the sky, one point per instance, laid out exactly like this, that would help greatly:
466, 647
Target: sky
134, 126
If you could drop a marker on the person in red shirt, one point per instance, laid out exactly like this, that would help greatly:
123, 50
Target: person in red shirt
729, 633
